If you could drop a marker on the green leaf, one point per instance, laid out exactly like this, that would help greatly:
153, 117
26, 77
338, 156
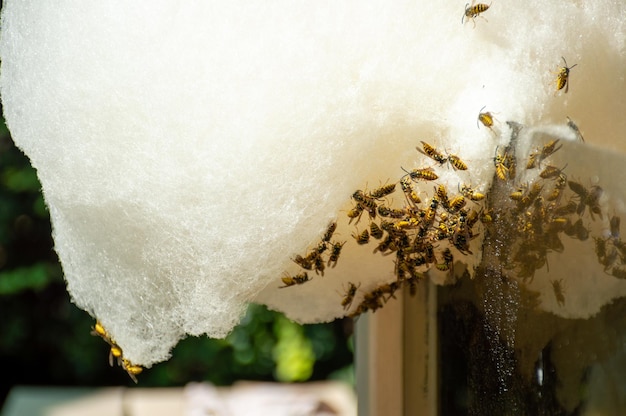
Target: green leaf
21, 180
23, 278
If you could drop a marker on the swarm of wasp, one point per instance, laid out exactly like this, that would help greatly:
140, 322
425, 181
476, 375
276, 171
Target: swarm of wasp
436, 228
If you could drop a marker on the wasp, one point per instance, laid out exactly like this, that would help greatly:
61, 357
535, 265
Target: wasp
426, 174
115, 352
383, 191
432, 153
485, 118
304, 262
574, 127
355, 213
346, 302
530, 196
448, 260
456, 162
562, 77
588, 197
404, 224
486, 216
557, 287
362, 238
131, 369
334, 253
294, 280
441, 195
472, 217
384, 211
365, 202
473, 11
329, 232
550, 172
376, 231
519, 193
321, 247
550, 148
561, 183
577, 230
456, 203
605, 257
471, 194
429, 215
501, 162
531, 163
567, 209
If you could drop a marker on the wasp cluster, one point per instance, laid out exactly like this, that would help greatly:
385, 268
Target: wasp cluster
325, 253
115, 353
611, 250
529, 208
423, 232
543, 210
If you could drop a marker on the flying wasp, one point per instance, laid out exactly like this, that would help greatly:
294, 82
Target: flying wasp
473, 11
562, 77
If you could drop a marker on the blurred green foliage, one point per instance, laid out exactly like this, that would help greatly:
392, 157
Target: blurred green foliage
47, 338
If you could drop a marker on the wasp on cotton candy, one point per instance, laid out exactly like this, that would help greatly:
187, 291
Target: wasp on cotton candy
456, 162
131, 369
426, 174
562, 77
500, 161
383, 191
335, 251
346, 302
470, 193
486, 119
432, 153
473, 11
329, 232
294, 280
362, 238
376, 231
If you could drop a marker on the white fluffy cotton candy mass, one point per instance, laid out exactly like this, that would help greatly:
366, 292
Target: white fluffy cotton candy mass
187, 150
